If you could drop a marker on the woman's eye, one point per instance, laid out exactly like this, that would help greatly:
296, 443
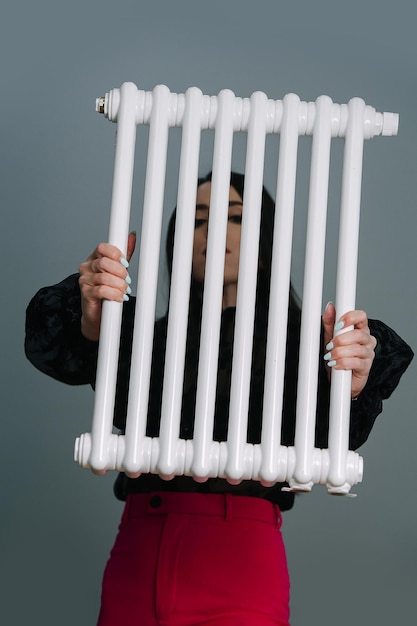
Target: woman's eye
235, 219
200, 222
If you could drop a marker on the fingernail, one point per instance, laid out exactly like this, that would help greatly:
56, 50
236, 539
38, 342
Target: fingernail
126, 298
331, 363
128, 279
124, 262
328, 304
330, 345
132, 232
327, 356
128, 290
339, 326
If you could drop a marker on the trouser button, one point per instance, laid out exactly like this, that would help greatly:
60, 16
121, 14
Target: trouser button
155, 502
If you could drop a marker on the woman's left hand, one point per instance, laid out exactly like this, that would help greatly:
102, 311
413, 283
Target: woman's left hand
350, 350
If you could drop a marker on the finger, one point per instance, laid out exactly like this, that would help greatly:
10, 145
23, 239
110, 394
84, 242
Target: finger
93, 294
107, 265
104, 286
91, 270
360, 351
131, 244
358, 366
106, 250
107, 279
357, 319
328, 320
352, 337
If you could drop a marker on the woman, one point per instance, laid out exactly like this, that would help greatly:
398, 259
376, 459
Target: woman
204, 553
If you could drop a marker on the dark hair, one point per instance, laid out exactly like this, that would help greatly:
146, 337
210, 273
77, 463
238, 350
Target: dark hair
265, 243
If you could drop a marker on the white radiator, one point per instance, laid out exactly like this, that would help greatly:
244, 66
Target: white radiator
302, 465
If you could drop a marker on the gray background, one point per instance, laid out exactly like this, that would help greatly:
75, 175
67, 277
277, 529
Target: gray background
351, 560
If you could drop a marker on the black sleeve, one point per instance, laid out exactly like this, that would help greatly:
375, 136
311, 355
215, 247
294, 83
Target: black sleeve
392, 357
54, 343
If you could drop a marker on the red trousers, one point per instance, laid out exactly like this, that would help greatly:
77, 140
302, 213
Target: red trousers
183, 559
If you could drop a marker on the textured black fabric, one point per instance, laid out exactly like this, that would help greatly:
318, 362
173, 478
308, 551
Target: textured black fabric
55, 345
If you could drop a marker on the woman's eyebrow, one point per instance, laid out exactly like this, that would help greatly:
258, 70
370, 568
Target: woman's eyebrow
235, 203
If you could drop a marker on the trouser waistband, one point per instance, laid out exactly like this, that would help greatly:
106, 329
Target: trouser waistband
225, 505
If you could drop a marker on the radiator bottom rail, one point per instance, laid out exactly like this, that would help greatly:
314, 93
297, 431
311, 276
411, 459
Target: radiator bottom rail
114, 456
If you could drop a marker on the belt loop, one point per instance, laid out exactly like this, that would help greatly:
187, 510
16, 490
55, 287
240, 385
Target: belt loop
278, 517
228, 507
126, 510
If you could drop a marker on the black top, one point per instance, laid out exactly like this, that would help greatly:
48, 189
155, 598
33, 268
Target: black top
55, 345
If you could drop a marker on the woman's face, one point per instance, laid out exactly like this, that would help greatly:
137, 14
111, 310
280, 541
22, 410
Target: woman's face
231, 263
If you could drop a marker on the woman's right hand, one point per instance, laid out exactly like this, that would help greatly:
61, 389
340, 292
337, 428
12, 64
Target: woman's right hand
103, 276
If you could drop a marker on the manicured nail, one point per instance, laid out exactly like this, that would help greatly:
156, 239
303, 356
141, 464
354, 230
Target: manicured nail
128, 290
132, 232
338, 326
328, 304
126, 298
331, 363
330, 345
124, 262
327, 356
128, 279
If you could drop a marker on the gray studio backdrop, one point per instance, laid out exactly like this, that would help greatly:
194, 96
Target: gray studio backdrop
352, 561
